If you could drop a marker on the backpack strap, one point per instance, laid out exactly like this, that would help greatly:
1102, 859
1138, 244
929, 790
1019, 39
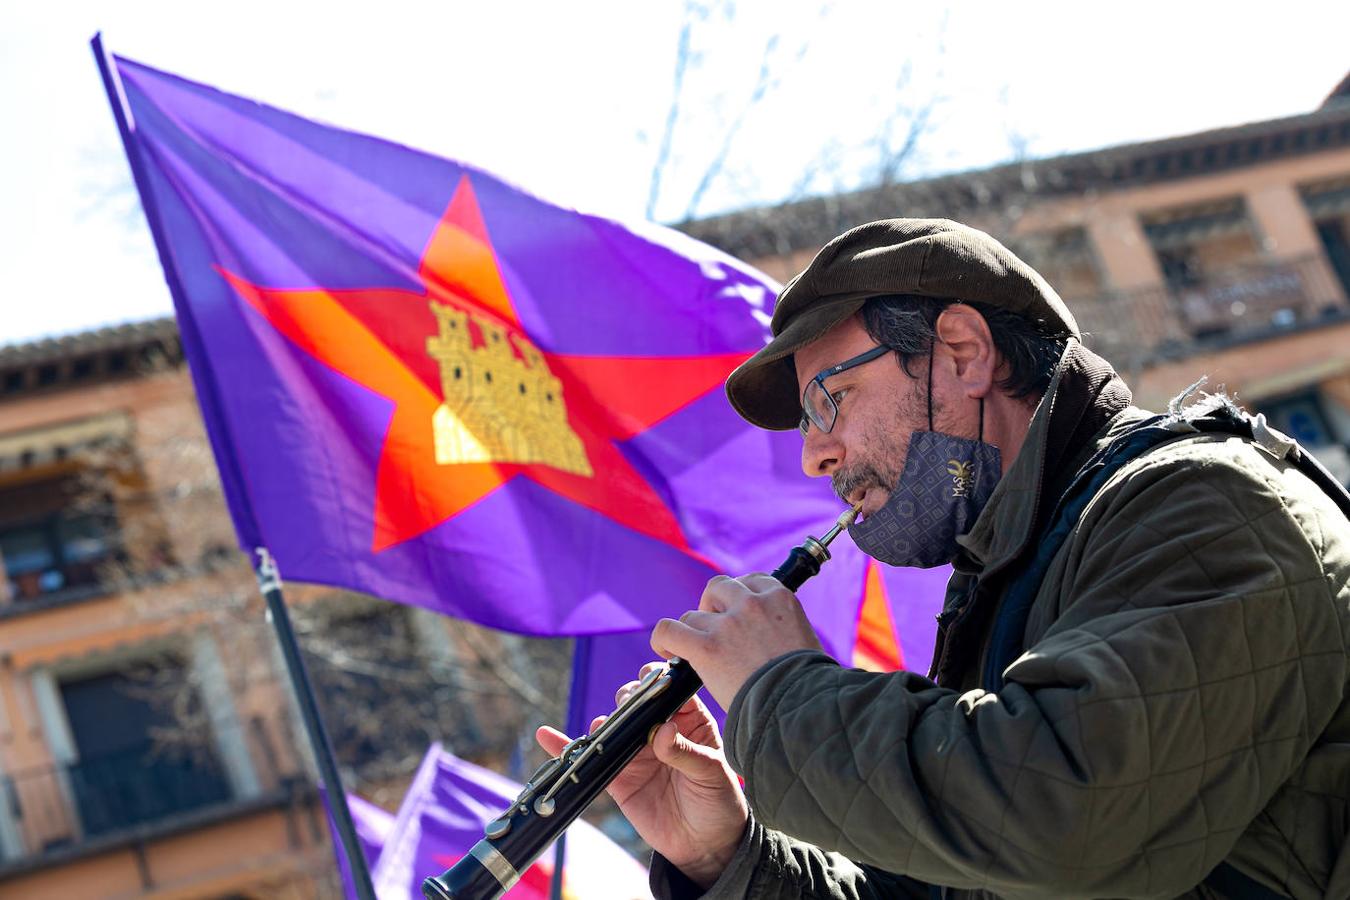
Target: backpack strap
1006, 640
1255, 429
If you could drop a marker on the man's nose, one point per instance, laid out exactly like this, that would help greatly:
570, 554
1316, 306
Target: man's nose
822, 452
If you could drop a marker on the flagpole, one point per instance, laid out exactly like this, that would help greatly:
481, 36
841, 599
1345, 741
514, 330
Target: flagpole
576, 725
269, 581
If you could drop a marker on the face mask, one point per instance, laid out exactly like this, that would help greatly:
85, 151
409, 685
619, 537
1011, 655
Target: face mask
945, 484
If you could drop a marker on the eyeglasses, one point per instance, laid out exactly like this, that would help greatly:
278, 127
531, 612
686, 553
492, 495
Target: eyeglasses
818, 407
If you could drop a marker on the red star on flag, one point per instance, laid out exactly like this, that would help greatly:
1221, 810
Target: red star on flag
377, 337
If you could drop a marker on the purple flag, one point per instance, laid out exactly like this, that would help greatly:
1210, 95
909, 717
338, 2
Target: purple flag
447, 806
429, 385
840, 606
373, 825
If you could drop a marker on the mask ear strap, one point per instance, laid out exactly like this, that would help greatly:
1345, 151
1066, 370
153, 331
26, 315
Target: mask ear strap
982, 420
930, 388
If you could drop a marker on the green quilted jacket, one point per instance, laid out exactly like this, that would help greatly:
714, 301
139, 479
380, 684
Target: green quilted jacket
1181, 701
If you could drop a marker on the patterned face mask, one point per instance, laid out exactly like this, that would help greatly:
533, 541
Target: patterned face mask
947, 480
945, 484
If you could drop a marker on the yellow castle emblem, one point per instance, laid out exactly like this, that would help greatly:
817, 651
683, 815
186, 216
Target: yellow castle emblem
499, 407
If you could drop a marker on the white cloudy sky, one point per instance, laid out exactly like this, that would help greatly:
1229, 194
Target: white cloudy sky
569, 99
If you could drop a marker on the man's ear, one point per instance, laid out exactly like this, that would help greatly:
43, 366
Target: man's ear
965, 335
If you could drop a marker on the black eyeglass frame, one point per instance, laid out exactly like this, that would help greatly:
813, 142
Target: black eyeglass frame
819, 382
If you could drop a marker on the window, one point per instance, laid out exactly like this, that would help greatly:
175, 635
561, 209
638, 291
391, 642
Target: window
1328, 205
52, 546
137, 761
1302, 418
1066, 259
1335, 237
1196, 242
1216, 272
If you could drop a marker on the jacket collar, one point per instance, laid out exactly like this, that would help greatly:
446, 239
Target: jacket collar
1084, 395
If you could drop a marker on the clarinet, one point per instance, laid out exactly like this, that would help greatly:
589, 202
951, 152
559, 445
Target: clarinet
561, 789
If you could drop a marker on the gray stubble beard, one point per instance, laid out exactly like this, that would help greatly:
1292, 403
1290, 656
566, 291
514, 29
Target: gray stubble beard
869, 473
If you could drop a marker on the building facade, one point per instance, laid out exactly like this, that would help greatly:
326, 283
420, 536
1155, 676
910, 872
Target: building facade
149, 741
1223, 254
139, 758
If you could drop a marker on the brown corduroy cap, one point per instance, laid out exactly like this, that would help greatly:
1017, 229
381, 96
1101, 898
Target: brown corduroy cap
928, 257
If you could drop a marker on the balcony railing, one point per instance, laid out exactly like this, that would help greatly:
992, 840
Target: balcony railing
58, 809
110, 575
55, 583
142, 784
1223, 307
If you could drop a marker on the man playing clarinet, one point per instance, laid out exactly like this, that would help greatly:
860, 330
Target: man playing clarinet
1139, 687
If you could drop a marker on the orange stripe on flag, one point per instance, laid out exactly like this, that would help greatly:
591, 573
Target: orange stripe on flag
876, 649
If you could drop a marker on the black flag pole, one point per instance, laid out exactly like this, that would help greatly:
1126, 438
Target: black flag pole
269, 582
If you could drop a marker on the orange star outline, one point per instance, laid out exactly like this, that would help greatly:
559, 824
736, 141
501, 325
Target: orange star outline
876, 647
376, 337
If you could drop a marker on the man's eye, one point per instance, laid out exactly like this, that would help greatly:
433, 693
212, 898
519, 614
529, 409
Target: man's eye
838, 395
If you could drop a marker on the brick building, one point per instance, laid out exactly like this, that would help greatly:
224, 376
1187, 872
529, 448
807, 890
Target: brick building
1224, 253
149, 743
148, 747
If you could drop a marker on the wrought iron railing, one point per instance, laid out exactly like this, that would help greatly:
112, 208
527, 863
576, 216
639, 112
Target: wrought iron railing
55, 808
143, 784
1135, 328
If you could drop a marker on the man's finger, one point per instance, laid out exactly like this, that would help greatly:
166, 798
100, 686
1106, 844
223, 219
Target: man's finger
672, 638
551, 739
715, 595
622, 693
680, 753
698, 619
697, 724
759, 582
694, 704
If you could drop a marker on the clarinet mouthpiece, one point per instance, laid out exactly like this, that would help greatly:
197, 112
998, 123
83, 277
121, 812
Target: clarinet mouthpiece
845, 519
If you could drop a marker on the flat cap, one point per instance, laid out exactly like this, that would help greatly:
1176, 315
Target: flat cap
927, 257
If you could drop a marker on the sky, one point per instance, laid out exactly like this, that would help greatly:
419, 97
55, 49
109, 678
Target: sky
571, 100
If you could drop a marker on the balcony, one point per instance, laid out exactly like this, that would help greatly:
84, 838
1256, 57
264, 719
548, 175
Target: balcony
56, 813
1229, 306
141, 785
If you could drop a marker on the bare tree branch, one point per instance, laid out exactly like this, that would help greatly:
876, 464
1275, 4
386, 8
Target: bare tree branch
491, 661
673, 113
893, 158
763, 81
767, 80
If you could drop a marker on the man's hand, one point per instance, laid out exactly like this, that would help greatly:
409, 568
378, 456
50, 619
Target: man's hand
740, 624
678, 792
